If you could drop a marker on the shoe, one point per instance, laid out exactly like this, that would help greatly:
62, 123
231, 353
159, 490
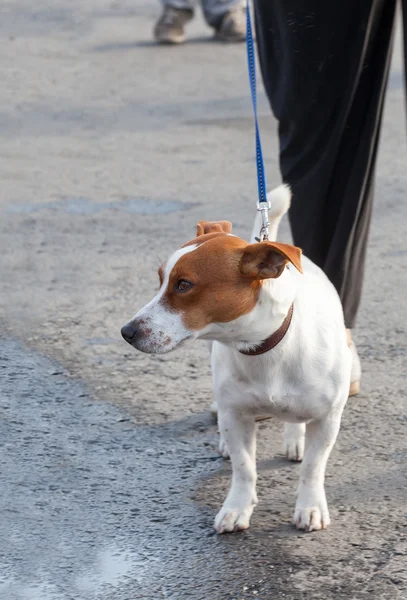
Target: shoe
169, 28
232, 27
356, 367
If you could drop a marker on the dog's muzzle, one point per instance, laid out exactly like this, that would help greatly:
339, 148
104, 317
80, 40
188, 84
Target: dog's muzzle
154, 334
143, 336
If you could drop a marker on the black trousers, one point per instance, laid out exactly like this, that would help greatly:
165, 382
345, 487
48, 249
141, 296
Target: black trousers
325, 65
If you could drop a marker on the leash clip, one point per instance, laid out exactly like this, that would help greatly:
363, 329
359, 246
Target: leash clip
264, 207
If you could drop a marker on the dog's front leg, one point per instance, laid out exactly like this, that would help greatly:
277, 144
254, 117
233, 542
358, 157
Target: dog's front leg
239, 433
311, 509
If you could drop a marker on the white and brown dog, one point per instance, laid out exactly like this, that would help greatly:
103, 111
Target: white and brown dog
279, 349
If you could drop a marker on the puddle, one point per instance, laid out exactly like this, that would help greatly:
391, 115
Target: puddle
112, 567
241, 122
36, 591
101, 341
395, 253
85, 206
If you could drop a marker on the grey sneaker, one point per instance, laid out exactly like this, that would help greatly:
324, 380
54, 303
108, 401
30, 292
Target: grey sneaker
169, 28
232, 27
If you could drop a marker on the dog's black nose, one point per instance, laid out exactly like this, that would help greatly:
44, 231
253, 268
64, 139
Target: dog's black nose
128, 332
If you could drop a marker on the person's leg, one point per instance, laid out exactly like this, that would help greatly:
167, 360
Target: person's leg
215, 9
227, 17
169, 28
325, 68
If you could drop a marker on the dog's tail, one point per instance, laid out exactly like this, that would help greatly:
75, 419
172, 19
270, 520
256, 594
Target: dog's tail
280, 200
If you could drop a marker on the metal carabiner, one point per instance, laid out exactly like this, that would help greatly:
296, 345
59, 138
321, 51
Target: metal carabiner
263, 208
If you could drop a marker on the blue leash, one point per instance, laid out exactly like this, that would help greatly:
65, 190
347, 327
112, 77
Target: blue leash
263, 204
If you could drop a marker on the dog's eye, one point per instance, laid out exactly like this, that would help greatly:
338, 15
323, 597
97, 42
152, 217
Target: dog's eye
183, 285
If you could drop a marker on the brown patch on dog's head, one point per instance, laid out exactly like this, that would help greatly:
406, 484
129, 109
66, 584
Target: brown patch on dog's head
219, 292
220, 279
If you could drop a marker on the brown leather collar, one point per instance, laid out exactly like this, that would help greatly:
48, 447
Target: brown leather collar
274, 339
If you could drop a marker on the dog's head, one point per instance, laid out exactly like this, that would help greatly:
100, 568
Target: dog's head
211, 281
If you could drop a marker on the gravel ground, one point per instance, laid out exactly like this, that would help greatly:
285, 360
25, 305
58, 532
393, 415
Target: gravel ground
110, 475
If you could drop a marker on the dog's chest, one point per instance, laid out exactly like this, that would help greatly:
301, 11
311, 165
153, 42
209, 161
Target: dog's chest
263, 390
288, 382
278, 398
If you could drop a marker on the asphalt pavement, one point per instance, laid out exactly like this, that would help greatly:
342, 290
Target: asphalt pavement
112, 149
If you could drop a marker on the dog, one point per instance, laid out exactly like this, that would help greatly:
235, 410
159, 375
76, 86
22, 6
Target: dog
279, 348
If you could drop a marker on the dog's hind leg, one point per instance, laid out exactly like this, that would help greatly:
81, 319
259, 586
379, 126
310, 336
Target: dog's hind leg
311, 509
294, 438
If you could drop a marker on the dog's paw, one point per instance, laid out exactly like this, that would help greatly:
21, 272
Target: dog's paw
311, 519
311, 510
231, 519
214, 408
294, 440
223, 448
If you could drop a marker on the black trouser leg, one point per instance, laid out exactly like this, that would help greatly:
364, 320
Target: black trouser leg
325, 67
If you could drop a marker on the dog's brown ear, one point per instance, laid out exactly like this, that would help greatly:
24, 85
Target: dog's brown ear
267, 259
204, 227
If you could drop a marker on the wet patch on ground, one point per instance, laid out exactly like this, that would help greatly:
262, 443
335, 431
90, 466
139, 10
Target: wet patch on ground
85, 206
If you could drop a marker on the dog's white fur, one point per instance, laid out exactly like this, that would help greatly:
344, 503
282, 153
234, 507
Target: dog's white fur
163, 323
304, 380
